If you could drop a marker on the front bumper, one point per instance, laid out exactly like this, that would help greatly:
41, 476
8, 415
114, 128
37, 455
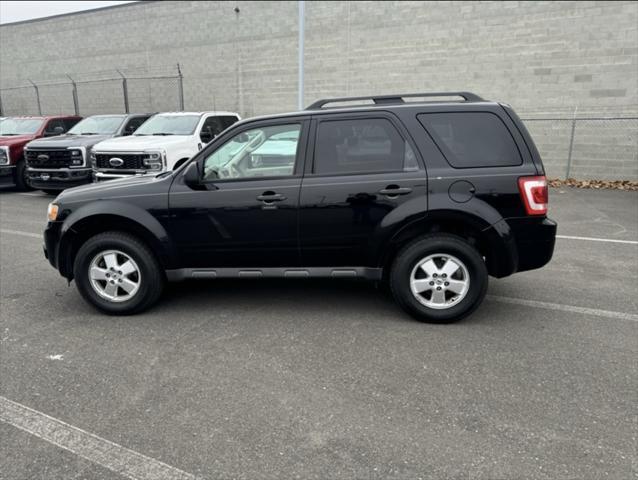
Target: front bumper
59, 178
7, 174
52, 242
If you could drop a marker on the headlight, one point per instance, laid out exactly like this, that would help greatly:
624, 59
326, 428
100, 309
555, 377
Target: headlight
154, 160
52, 212
77, 157
4, 155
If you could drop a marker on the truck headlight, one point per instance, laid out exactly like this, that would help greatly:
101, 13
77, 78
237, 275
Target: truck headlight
77, 157
4, 155
154, 160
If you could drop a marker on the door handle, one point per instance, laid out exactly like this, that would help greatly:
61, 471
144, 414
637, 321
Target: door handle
395, 191
268, 197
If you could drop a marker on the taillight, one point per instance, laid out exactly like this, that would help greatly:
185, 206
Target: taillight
534, 194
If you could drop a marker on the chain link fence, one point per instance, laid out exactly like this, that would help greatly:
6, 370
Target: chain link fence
100, 92
602, 148
582, 147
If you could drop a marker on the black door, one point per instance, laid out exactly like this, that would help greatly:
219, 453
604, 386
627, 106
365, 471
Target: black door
364, 178
245, 214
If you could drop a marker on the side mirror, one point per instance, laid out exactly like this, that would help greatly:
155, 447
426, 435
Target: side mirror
58, 130
191, 175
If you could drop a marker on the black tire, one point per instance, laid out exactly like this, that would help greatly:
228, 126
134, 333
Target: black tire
51, 192
410, 256
21, 180
151, 275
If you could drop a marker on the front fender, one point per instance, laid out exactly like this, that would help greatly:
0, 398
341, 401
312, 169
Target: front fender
113, 215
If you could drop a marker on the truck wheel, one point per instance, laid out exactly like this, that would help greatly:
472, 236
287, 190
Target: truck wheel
118, 274
439, 278
21, 176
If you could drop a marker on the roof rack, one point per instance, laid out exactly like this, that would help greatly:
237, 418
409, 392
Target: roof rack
394, 99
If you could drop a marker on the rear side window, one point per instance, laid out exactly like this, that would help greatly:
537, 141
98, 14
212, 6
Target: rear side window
368, 145
472, 139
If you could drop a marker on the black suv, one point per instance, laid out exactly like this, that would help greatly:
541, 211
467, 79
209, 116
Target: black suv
62, 162
430, 197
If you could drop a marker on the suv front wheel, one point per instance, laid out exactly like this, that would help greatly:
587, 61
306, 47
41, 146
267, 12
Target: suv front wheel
439, 278
118, 274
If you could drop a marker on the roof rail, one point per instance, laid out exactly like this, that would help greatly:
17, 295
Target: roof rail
393, 99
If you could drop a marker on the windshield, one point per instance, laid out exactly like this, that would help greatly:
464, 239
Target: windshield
98, 125
169, 125
20, 126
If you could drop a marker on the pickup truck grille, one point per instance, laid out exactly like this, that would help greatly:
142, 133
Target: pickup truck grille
132, 161
48, 158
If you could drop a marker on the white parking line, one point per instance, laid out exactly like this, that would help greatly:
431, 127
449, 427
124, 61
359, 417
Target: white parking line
565, 308
593, 239
41, 194
98, 450
19, 232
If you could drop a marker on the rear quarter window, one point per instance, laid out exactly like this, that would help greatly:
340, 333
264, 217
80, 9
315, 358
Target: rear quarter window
472, 139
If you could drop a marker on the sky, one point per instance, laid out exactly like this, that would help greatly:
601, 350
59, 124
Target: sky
18, 11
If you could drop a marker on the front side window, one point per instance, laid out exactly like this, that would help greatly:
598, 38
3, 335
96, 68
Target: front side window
260, 152
169, 125
370, 145
133, 124
98, 125
472, 139
55, 127
20, 126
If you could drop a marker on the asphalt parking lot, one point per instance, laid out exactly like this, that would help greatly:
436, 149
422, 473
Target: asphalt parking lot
327, 379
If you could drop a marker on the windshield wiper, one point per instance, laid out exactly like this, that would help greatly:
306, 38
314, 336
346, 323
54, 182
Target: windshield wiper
9, 134
163, 133
89, 133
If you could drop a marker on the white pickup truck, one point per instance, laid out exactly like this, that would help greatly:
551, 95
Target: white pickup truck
163, 142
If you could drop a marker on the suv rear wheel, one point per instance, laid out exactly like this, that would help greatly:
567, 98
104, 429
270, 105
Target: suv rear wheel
118, 274
439, 278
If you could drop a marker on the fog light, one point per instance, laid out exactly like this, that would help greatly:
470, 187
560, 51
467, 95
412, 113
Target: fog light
76, 162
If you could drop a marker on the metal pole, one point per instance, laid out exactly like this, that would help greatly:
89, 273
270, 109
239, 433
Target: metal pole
571, 145
74, 92
37, 96
180, 88
302, 34
124, 91
1, 103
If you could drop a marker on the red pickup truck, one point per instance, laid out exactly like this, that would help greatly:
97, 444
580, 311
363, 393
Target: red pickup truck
16, 132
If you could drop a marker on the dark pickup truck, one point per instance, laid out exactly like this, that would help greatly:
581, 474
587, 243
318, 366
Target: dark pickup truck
63, 162
15, 133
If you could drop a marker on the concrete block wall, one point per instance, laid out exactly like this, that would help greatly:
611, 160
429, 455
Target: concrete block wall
547, 59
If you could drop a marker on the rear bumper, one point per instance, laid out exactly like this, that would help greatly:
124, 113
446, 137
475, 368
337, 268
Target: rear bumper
535, 239
59, 179
520, 244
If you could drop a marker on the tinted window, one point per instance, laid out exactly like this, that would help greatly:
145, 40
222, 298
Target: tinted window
228, 121
260, 152
361, 146
472, 139
54, 126
70, 122
133, 124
